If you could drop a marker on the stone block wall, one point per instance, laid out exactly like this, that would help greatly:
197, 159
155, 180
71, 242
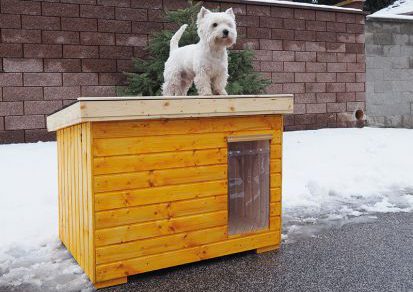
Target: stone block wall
389, 86
52, 52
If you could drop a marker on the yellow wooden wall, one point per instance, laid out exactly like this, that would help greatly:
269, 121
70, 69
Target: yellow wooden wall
160, 192
76, 205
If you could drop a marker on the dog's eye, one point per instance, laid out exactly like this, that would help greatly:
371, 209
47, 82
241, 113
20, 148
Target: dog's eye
215, 24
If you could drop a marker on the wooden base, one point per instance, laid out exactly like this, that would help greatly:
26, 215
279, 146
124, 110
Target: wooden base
267, 248
112, 282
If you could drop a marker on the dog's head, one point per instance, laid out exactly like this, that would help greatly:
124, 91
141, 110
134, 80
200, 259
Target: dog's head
217, 28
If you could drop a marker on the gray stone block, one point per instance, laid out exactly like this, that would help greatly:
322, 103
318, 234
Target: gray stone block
375, 74
390, 109
391, 50
401, 39
406, 28
400, 62
396, 74
379, 62
406, 50
374, 50
381, 38
384, 86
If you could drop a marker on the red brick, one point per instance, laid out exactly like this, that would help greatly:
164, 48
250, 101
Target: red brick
156, 15
326, 97
336, 47
346, 17
115, 26
360, 96
305, 56
354, 87
304, 35
294, 45
20, 36
93, 11
305, 98
42, 79
315, 87
282, 34
40, 22
356, 105
306, 14
98, 91
269, 66
9, 21
11, 79
326, 119
282, 77
288, 120
336, 27
360, 19
326, 57
248, 21
24, 122
326, 77
97, 38
22, 93
263, 55
346, 96
258, 10
11, 108
274, 88
315, 108
304, 77
7, 137
325, 15
271, 22
282, 12
61, 65
356, 67
355, 28
293, 88
60, 9
260, 33
360, 77
305, 119
41, 107
118, 3
20, 7
315, 46
299, 108
70, 51
60, 37
116, 52
294, 128
346, 38
252, 44
346, 58
1, 126
271, 45
360, 38
145, 27
22, 65
35, 135
79, 24
315, 67
294, 66
155, 4
175, 4
282, 56
131, 14
124, 65
42, 51
355, 48
112, 79
131, 40
346, 77
297, 24
316, 25
326, 36
98, 65
73, 79
336, 67
61, 92
336, 87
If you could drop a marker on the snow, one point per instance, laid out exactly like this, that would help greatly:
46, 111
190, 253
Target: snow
299, 4
395, 10
330, 177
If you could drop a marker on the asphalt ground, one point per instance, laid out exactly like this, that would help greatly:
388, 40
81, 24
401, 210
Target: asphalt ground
373, 256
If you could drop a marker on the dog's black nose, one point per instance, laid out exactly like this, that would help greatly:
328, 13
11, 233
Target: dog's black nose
226, 32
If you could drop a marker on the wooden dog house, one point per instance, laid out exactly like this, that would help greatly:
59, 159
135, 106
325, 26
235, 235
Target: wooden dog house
147, 183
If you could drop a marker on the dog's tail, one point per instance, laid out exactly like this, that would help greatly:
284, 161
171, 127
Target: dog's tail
177, 36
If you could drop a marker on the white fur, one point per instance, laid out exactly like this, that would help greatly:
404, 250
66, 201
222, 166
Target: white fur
205, 63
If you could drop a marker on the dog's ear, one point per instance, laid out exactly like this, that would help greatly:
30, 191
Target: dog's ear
203, 12
230, 12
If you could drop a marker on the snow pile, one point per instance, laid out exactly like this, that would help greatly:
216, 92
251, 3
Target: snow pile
399, 9
330, 176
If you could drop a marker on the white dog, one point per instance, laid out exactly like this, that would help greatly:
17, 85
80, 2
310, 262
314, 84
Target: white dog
205, 63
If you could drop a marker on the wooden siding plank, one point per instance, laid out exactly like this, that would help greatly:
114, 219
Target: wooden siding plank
183, 126
152, 144
85, 227
168, 210
158, 245
183, 256
142, 162
158, 228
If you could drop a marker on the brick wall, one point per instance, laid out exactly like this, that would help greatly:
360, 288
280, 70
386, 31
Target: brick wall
389, 86
55, 51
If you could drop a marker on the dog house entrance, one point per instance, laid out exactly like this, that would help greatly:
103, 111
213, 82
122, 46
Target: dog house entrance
248, 183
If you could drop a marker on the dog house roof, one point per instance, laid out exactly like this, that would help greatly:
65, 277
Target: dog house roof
94, 109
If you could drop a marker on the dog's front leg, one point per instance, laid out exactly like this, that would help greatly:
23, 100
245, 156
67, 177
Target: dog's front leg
203, 84
219, 83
